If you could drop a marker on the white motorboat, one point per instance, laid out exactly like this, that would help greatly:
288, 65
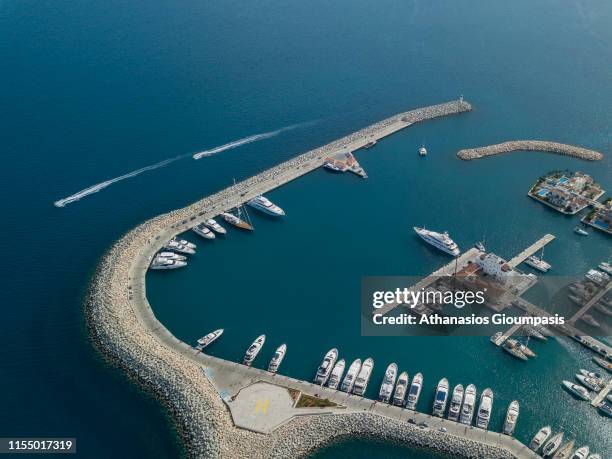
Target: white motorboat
336, 374
266, 206
484, 411
511, 418
401, 389
441, 398
469, 402
576, 389
540, 438
363, 377
538, 263
203, 231
386, 388
172, 256
422, 150
253, 350
327, 364
455, 404
207, 340
415, 391
605, 267
590, 383
159, 263
277, 358
216, 227
552, 445
440, 241
180, 246
351, 375
580, 231
581, 453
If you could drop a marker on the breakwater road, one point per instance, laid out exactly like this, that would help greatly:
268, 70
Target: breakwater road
197, 389
530, 145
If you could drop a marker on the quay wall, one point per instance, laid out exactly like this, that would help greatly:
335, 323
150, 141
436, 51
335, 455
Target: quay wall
124, 329
530, 145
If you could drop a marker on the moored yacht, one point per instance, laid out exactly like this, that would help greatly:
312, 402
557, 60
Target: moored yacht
484, 411
336, 374
512, 347
324, 370
386, 388
576, 389
172, 256
606, 408
253, 350
266, 206
415, 391
581, 231
440, 241
181, 246
540, 438
370, 144
332, 167
399, 396
203, 231
581, 453
166, 263
537, 263
207, 340
467, 409
351, 375
598, 277
363, 377
455, 404
565, 450
213, 225
552, 445
441, 398
592, 374
511, 418
422, 150
236, 221
277, 358
590, 383
605, 267
603, 363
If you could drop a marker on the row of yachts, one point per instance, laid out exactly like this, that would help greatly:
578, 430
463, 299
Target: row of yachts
553, 446
174, 253
590, 381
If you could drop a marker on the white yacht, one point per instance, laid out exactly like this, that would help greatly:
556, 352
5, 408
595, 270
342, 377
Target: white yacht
213, 225
455, 404
422, 151
605, 267
386, 388
594, 456
180, 246
484, 411
277, 358
603, 363
363, 377
565, 450
332, 167
601, 380
336, 374
577, 389
266, 206
415, 391
349, 380
207, 340
538, 263
236, 221
590, 383
172, 256
324, 370
441, 398
606, 408
598, 277
166, 263
581, 231
540, 438
440, 241
552, 445
399, 396
511, 418
581, 453
203, 231
467, 409
253, 350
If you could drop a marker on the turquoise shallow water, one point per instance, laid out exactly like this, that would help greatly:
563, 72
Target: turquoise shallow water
93, 90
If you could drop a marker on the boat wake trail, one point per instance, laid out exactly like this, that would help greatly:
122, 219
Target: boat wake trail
100, 186
245, 140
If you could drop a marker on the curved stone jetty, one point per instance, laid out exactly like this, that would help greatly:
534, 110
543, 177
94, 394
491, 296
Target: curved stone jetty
530, 145
125, 330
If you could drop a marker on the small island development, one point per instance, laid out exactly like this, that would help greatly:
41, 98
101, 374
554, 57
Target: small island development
227, 409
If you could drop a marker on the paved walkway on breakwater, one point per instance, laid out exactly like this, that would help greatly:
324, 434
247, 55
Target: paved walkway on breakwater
530, 145
533, 248
598, 296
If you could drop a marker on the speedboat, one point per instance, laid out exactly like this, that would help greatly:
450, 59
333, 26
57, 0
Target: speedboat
207, 340
576, 389
590, 383
266, 206
172, 256
324, 370
336, 374
179, 246
422, 151
349, 380
605, 267
213, 225
480, 246
441, 398
552, 445
603, 363
588, 319
253, 350
606, 408
277, 359
363, 377
455, 404
203, 231
235, 221
484, 411
511, 418
386, 388
511, 346
565, 450
540, 438
399, 397
440, 241
166, 263
537, 263
580, 231
415, 391
581, 453
467, 409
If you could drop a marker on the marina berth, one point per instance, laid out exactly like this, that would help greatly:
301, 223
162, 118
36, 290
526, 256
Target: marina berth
552, 445
414, 392
386, 388
160, 263
351, 375
207, 340
277, 358
363, 377
203, 231
266, 206
440, 241
581, 231
336, 374
216, 227
540, 438
180, 246
484, 411
469, 403
576, 389
440, 398
324, 370
401, 388
254, 350
454, 409
511, 418
236, 221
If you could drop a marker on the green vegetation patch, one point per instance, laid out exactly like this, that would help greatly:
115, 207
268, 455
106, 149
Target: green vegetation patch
308, 401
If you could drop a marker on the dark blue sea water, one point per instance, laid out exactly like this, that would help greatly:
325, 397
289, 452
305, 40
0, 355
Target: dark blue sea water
92, 90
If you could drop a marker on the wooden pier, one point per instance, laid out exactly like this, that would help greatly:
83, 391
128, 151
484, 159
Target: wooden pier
533, 248
584, 309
